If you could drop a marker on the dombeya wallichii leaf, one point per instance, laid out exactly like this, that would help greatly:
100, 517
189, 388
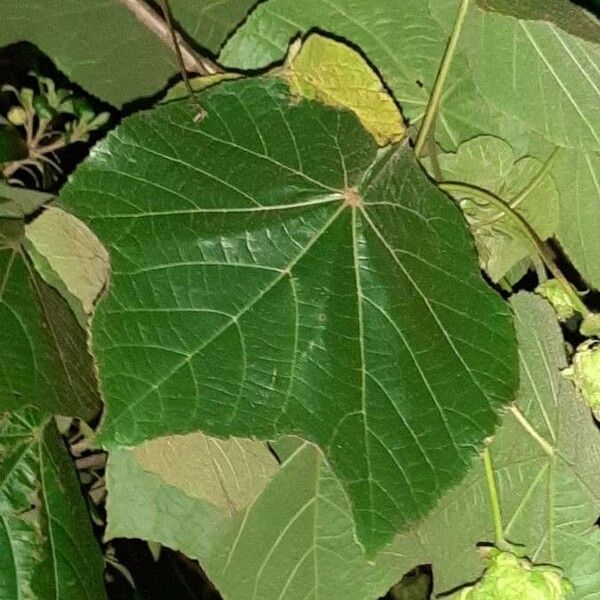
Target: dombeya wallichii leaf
327, 70
275, 272
47, 548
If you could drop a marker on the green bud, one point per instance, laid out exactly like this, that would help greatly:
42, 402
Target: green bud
585, 373
556, 294
82, 109
17, 115
99, 121
590, 325
42, 107
508, 577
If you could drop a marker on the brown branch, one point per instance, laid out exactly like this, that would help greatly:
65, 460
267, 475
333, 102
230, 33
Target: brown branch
148, 17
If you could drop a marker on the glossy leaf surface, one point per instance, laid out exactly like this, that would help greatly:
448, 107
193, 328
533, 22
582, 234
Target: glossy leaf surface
274, 272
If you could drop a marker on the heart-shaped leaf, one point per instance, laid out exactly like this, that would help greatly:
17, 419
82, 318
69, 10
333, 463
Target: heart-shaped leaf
274, 272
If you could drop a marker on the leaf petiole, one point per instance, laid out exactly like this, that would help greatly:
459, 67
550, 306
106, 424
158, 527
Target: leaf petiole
493, 496
438, 87
525, 227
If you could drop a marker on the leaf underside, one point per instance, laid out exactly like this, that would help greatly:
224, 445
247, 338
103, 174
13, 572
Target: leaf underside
274, 273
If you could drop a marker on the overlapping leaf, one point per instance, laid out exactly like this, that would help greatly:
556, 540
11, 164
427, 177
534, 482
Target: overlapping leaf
538, 73
294, 541
547, 466
44, 360
18, 202
522, 182
404, 40
299, 529
47, 549
69, 257
101, 46
274, 272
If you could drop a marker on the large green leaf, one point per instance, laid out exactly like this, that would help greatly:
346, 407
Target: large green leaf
403, 40
539, 74
274, 272
100, 45
44, 359
47, 550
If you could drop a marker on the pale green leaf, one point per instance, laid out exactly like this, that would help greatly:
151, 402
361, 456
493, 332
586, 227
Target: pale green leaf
69, 257
538, 74
324, 69
404, 41
577, 176
47, 548
44, 360
490, 163
18, 202
229, 474
274, 272
294, 542
100, 45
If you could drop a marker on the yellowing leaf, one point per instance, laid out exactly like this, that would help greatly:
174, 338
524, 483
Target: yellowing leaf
68, 255
227, 473
335, 74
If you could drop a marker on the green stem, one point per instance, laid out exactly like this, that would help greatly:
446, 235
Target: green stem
436, 94
535, 181
525, 227
493, 495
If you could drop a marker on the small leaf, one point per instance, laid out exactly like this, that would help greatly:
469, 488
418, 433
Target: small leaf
319, 287
16, 202
47, 548
490, 163
578, 183
12, 145
69, 257
326, 70
562, 303
44, 360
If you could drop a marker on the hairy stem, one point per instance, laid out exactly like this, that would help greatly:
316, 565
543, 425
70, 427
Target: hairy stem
525, 227
436, 95
493, 496
157, 25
